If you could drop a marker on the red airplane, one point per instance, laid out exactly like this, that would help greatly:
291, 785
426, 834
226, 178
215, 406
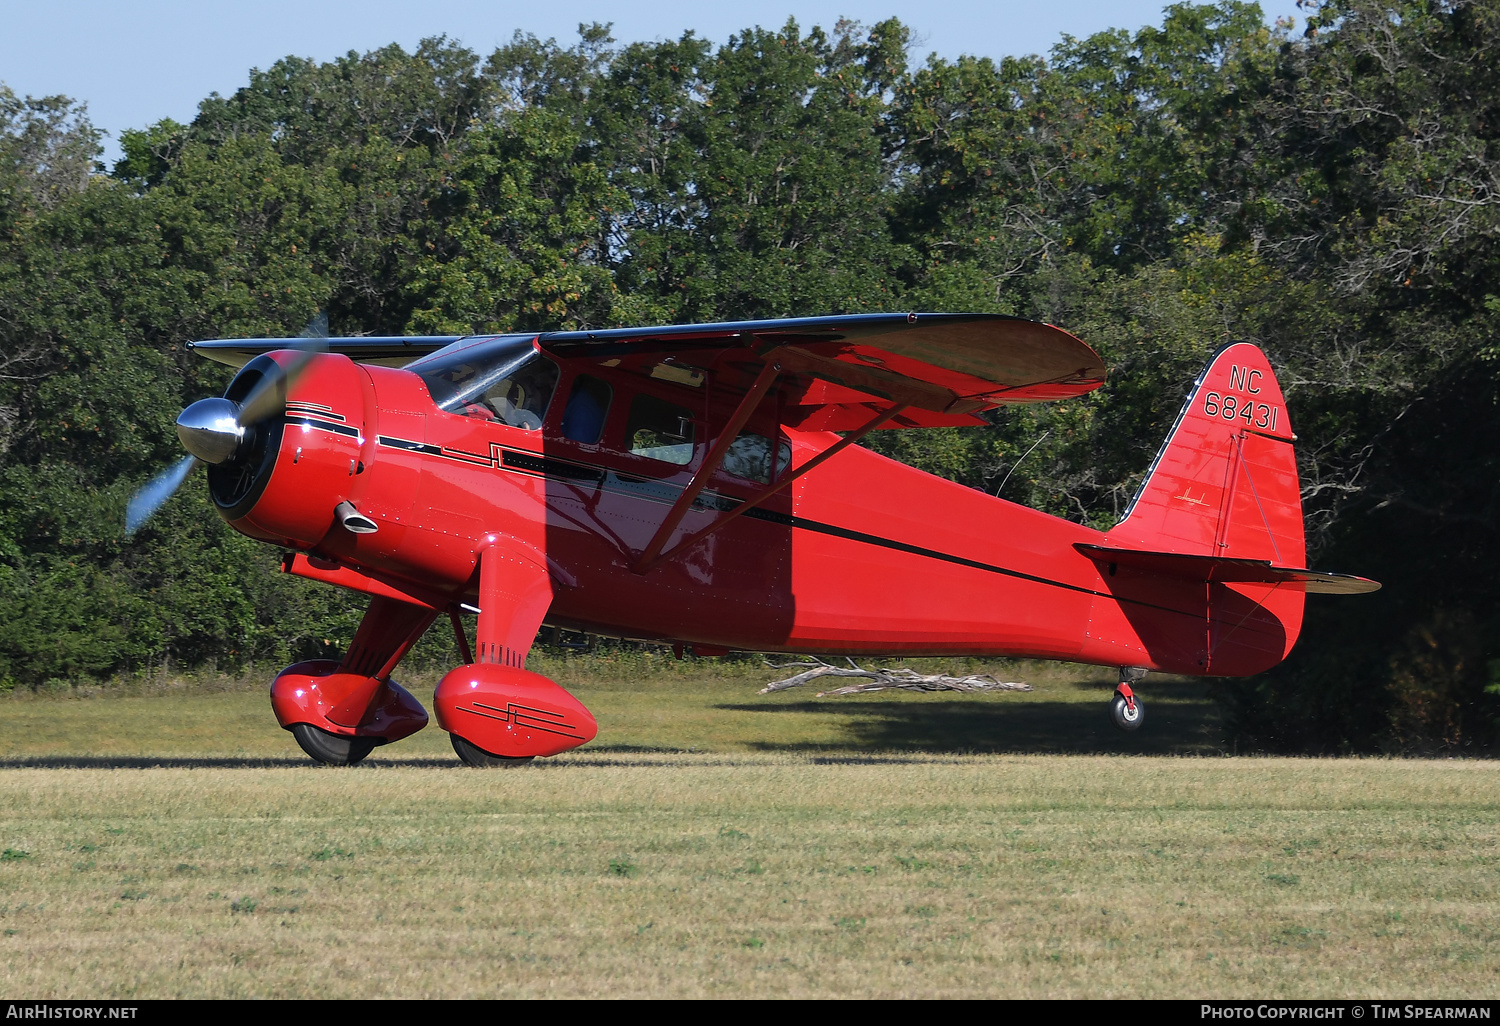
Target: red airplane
701, 485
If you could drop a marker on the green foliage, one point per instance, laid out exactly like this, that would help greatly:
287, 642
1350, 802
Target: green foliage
47, 151
1330, 196
518, 241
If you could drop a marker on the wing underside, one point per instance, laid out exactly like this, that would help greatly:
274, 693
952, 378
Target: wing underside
941, 369
953, 364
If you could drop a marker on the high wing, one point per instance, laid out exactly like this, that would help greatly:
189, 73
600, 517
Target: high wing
388, 351
941, 368
952, 364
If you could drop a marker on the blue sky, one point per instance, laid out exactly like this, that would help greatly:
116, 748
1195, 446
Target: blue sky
137, 62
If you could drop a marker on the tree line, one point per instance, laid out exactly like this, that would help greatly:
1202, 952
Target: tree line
1329, 192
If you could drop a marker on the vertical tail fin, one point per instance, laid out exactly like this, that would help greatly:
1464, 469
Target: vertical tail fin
1206, 566
1225, 482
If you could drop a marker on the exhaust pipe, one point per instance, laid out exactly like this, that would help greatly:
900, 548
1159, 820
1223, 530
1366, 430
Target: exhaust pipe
352, 520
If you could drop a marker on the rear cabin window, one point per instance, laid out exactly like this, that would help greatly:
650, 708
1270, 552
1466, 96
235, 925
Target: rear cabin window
749, 456
660, 430
588, 406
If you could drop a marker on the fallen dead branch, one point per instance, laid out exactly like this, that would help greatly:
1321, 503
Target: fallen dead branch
882, 678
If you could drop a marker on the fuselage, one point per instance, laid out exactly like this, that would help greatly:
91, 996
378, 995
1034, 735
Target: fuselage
861, 555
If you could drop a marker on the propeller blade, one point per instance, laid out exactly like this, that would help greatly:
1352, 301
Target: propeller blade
268, 397
153, 493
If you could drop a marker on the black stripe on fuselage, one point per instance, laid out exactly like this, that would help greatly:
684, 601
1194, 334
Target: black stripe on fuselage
409, 446
918, 550
567, 471
322, 425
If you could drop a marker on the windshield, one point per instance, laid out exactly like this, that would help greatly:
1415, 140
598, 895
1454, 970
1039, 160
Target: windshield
502, 379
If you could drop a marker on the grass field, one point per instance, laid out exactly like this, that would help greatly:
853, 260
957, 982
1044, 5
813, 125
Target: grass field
714, 842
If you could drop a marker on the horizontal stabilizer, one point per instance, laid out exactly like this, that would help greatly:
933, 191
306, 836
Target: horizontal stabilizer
1228, 570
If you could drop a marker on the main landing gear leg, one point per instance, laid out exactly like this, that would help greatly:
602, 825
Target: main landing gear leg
498, 713
1125, 709
340, 711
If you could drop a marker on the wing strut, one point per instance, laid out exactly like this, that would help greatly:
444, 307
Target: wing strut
653, 554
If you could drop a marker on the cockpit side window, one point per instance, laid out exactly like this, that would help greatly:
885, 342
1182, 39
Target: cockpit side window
660, 430
504, 379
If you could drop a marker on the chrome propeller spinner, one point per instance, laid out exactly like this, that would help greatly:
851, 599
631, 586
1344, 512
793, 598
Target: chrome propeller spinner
210, 429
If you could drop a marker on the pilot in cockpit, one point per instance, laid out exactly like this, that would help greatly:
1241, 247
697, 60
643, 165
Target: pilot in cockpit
502, 379
511, 402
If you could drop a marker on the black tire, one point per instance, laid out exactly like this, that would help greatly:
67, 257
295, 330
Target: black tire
472, 755
332, 749
1122, 716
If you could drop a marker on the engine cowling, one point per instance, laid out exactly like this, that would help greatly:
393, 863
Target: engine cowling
292, 469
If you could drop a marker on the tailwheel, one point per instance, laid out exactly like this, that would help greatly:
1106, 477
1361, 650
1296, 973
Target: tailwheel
472, 755
333, 749
1126, 711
